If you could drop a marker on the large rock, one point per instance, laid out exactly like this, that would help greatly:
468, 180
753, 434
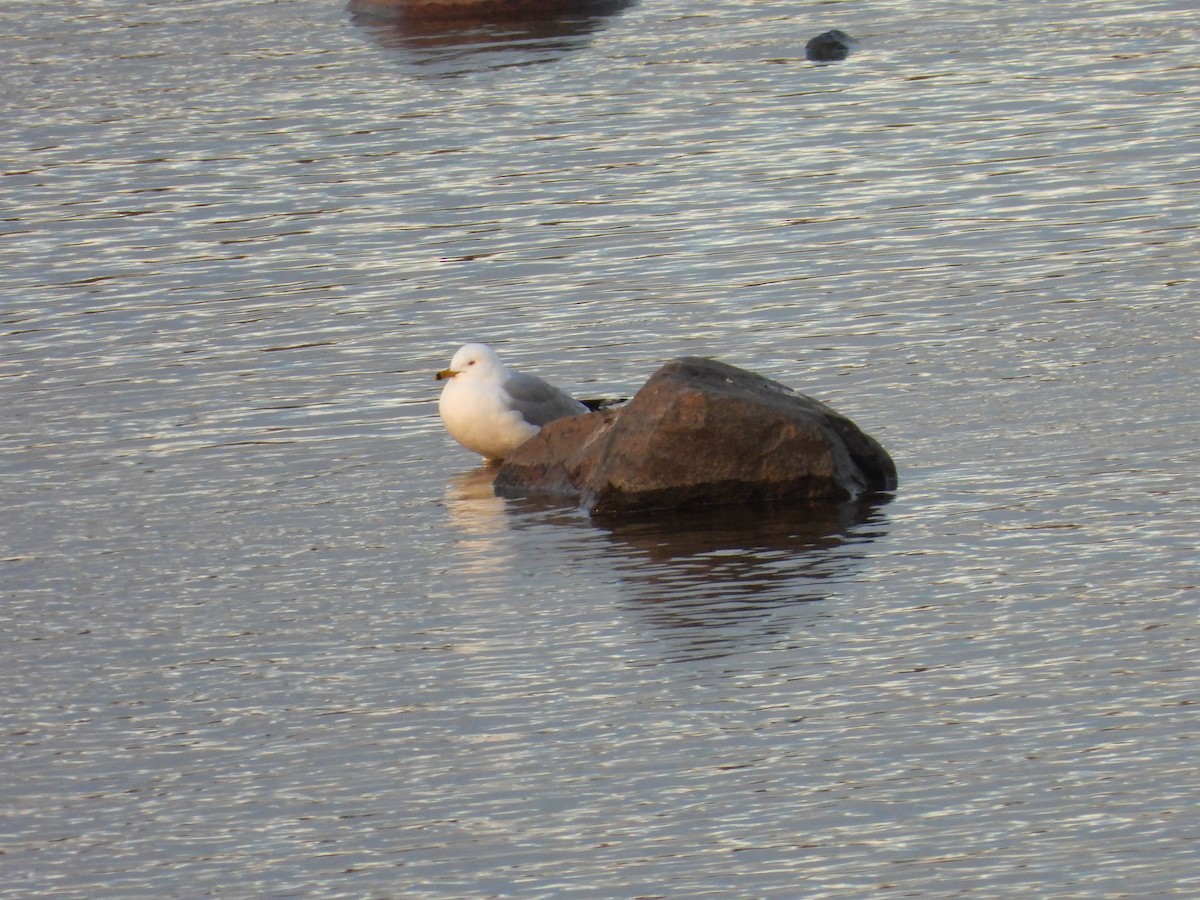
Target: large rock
700, 433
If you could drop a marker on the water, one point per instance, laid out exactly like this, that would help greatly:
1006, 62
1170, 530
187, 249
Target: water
266, 631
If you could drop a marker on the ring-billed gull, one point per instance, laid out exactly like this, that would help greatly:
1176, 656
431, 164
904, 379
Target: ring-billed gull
489, 408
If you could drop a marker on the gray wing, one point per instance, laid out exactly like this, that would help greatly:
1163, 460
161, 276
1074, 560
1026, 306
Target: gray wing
539, 402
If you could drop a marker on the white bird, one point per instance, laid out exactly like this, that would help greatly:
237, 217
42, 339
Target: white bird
489, 408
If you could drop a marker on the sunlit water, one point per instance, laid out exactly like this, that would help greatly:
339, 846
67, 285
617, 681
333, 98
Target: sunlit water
265, 629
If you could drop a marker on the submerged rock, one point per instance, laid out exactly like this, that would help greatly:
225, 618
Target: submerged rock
700, 433
829, 46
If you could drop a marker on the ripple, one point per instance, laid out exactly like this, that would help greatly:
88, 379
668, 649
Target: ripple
266, 629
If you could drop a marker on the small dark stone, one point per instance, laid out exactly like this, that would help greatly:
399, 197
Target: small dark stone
829, 46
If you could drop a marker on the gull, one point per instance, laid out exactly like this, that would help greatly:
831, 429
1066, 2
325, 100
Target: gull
489, 408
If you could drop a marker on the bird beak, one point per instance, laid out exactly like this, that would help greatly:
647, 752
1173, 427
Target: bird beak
444, 374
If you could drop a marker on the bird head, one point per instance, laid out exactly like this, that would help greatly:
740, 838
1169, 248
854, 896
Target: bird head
472, 361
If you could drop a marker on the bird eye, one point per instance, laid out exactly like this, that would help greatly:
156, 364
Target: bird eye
471, 363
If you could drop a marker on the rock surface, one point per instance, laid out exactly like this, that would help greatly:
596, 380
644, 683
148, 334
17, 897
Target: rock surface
700, 433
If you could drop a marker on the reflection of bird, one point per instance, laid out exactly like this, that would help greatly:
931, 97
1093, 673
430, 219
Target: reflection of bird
489, 408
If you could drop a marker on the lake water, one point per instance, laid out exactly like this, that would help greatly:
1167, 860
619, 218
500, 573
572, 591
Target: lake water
267, 633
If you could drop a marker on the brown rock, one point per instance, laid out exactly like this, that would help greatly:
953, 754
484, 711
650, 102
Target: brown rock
700, 433
556, 462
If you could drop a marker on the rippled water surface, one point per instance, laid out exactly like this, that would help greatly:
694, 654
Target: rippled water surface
265, 630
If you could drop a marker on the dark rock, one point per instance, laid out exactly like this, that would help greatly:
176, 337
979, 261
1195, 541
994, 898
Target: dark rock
829, 46
700, 433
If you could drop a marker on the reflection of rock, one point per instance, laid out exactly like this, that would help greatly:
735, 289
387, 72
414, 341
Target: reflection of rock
735, 554
735, 581
752, 531
482, 10
480, 35
829, 46
700, 433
